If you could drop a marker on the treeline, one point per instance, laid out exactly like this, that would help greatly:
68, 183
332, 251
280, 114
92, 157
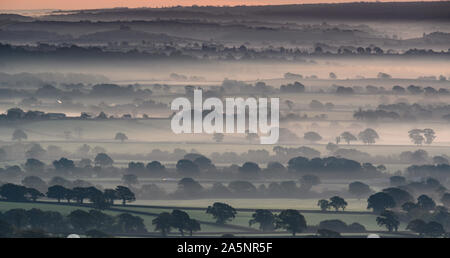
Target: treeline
36, 223
195, 165
404, 112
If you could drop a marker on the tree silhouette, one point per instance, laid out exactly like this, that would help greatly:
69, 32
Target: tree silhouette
389, 220
19, 135
348, 137
163, 223
265, 218
292, 221
221, 212
120, 137
368, 136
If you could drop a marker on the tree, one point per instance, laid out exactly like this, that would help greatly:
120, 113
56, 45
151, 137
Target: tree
34, 166
189, 187
185, 166
125, 194
430, 229
163, 223
380, 201
292, 221
56, 192
221, 212
33, 194
323, 204
218, 137
13, 192
130, 224
426, 203
429, 135
35, 182
102, 159
81, 220
389, 220
312, 136
180, 220
265, 218
399, 195
6, 229
19, 135
110, 195
348, 137
130, 179
368, 136
121, 137
445, 199
397, 180
250, 170
416, 137
337, 202
359, 189
193, 226
308, 181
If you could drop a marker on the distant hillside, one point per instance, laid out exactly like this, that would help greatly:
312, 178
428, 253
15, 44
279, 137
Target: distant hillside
343, 11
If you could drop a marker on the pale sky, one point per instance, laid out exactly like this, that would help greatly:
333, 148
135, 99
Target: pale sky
93, 4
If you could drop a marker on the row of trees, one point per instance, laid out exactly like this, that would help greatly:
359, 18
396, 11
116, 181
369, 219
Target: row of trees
100, 199
94, 223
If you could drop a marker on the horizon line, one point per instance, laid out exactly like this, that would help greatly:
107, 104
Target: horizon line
225, 6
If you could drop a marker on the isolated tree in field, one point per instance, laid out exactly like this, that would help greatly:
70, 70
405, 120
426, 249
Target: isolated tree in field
130, 179
121, 137
292, 221
429, 135
265, 218
416, 136
221, 212
368, 136
19, 135
323, 204
380, 201
338, 203
163, 223
56, 192
389, 220
218, 137
125, 194
102, 159
312, 136
359, 189
193, 226
348, 137
180, 220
